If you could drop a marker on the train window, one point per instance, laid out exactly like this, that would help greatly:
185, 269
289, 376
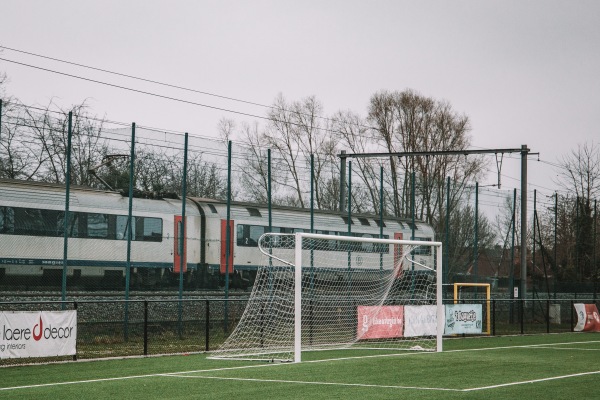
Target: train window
76, 225
345, 218
97, 226
379, 223
276, 241
240, 234
212, 209
367, 246
149, 229
248, 235
35, 222
255, 234
364, 221
7, 220
122, 228
179, 239
60, 224
31, 222
423, 250
331, 244
254, 212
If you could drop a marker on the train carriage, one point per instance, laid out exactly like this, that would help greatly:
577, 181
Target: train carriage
32, 237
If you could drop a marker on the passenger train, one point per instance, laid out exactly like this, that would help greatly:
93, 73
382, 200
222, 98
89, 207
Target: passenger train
32, 237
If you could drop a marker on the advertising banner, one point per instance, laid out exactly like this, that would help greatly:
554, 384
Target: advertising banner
420, 321
379, 322
37, 334
463, 318
588, 319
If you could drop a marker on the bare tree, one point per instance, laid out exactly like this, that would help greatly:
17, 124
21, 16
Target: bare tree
579, 173
383, 114
462, 241
296, 131
409, 122
48, 130
357, 137
15, 158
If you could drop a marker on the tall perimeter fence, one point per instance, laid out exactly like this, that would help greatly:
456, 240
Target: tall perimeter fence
92, 216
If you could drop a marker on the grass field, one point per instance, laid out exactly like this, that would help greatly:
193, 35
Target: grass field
555, 366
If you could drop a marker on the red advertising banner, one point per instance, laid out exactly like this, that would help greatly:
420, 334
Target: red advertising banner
588, 319
379, 322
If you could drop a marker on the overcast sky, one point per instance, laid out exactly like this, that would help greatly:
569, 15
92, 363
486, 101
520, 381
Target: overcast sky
525, 72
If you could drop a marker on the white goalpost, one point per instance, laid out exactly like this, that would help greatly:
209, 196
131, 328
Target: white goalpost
319, 292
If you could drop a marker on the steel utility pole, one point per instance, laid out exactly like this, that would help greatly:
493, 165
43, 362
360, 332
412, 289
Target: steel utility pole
524, 150
523, 291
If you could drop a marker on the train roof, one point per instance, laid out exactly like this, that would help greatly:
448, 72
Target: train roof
31, 193
248, 209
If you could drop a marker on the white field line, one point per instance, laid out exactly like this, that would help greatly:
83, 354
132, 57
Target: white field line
315, 383
552, 378
315, 361
525, 346
120, 378
565, 348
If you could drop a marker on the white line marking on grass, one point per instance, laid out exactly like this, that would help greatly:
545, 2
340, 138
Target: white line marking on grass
366, 385
75, 382
120, 378
525, 346
566, 348
313, 361
552, 378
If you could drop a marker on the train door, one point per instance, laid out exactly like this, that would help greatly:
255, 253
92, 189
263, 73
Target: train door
180, 243
224, 246
398, 255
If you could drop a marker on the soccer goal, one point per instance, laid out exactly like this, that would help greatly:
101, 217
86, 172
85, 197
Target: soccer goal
323, 292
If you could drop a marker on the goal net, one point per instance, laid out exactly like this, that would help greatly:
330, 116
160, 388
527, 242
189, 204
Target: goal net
326, 292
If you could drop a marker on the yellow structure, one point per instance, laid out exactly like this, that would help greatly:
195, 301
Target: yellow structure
457, 286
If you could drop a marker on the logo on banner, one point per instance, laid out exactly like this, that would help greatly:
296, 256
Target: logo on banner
420, 320
37, 334
380, 322
463, 318
588, 319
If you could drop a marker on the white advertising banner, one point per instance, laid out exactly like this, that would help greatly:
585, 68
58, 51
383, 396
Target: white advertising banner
463, 318
37, 334
420, 321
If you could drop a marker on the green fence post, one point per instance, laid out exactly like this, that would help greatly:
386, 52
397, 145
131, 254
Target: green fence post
182, 239
493, 317
66, 218
207, 326
129, 232
145, 327
227, 238
476, 241
75, 355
